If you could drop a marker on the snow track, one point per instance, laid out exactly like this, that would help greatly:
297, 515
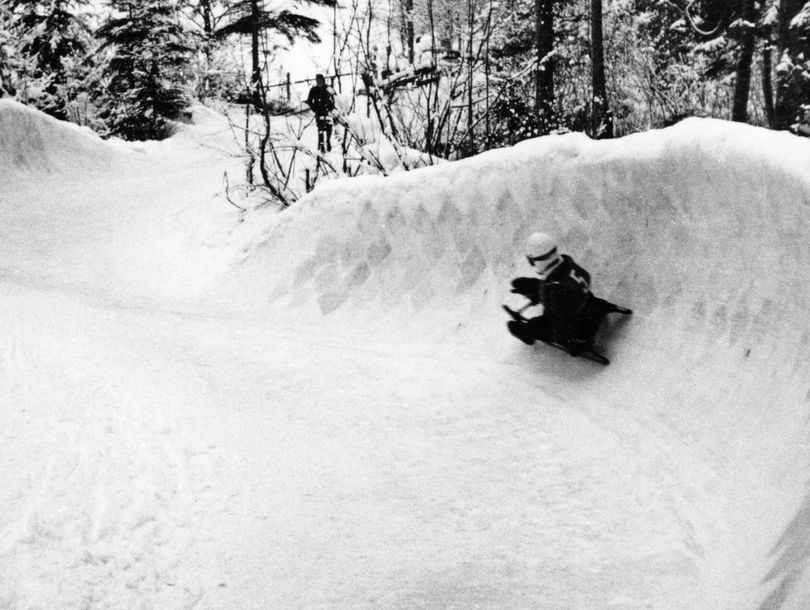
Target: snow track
109, 464
338, 419
701, 228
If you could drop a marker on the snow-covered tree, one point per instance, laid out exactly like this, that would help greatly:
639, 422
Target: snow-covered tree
529, 51
143, 78
50, 41
213, 75
790, 20
732, 33
7, 51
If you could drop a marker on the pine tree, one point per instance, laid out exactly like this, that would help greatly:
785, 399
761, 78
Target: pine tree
143, 76
51, 39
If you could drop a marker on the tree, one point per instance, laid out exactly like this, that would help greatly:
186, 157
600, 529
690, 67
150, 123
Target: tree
406, 6
524, 76
251, 18
742, 85
6, 52
51, 40
544, 102
142, 83
785, 24
600, 119
739, 20
793, 69
206, 16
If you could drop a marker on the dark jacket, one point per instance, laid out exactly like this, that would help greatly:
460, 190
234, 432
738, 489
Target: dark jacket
570, 311
320, 100
564, 294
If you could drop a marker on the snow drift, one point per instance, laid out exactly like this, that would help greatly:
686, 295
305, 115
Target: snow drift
32, 142
702, 228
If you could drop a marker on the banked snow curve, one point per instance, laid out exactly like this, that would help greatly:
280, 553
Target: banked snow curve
33, 143
702, 228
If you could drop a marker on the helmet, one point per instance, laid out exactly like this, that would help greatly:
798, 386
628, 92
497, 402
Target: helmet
542, 252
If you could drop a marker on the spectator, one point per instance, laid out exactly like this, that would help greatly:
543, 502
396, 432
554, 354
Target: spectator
322, 102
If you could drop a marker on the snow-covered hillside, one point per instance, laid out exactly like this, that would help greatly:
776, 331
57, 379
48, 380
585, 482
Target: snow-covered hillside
322, 408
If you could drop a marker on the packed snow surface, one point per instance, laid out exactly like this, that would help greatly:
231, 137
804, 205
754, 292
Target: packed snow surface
322, 408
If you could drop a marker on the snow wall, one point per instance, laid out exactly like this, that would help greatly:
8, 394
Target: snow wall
702, 228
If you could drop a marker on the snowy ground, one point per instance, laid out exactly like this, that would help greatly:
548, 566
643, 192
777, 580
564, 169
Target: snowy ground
322, 408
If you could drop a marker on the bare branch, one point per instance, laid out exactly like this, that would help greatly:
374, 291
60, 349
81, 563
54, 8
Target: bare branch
228, 193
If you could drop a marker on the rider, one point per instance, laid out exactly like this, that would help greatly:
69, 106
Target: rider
571, 313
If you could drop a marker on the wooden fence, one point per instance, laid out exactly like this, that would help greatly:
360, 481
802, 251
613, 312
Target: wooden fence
288, 83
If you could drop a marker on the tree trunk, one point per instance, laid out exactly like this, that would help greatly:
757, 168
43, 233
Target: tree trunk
208, 32
256, 69
789, 90
488, 32
407, 13
208, 19
544, 72
471, 62
432, 91
742, 86
767, 85
599, 102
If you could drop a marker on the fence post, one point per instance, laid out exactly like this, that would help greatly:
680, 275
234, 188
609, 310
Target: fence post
288, 86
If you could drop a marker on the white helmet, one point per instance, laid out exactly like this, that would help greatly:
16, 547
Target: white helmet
542, 253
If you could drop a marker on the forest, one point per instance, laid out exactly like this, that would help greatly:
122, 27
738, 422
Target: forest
447, 78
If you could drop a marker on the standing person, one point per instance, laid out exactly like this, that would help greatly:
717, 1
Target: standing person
571, 313
322, 103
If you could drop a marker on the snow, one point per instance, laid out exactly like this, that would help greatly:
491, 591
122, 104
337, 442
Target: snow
322, 408
802, 18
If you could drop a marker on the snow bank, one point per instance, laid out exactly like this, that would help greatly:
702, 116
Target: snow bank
32, 142
110, 216
702, 228
420, 240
